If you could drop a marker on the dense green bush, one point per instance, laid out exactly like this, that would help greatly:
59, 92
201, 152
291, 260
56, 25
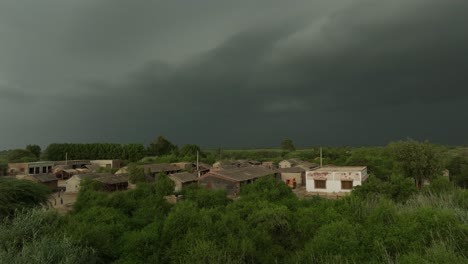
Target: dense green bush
20, 194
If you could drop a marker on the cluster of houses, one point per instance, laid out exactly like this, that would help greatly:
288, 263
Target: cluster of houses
226, 175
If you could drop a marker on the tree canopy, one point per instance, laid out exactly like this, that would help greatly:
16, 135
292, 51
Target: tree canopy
287, 144
161, 146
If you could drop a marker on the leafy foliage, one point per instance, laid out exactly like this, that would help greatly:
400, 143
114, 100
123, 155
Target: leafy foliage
20, 194
21, 155
161, 146
287, 145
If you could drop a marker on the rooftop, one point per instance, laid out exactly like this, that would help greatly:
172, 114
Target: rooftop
244, 173
113, 179
340, 168
184, 176
45, 177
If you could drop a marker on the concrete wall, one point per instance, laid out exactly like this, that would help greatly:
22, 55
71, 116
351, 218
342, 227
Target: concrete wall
114, 164
73, 185
333, 180
284, 164
290, 175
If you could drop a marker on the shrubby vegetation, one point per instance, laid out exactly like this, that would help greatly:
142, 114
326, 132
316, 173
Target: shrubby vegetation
267, 224
386, 220
17, 195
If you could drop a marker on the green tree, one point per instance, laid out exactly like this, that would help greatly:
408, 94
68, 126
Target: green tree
19, 194
287, 145
34, 149
161, 146
164, 185
135, 173
21, 155
417, 160
189, 150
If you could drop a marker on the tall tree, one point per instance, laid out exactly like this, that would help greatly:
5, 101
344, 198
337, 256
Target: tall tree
135, 173
287, 145
161, 146
418, 160
21, 155
19, 194
189, 150
34, 149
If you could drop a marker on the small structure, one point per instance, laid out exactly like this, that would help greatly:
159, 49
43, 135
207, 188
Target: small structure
74, 164
112, 164
269, 165
64, 171
73, 184
114, 182
46, 179
30, 168
182, 179
165, 168
294, 174
290, 163
334, 179
232, 180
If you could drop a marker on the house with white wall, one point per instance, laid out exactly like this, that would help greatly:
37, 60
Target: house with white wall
335, 179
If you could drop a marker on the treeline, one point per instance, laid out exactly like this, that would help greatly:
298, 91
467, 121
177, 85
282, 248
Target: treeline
267, 224
131, 152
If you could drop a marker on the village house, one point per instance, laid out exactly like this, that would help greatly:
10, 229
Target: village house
30, 168
290, 163
292, 176
233, 179
230, 164
46, 179
269, 165
73, 184
165, 168
111, 164
114, 182
335, 179
182, 179
74, 164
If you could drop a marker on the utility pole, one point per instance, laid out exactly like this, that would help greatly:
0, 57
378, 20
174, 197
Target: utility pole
320, 157
198, 169
66, 158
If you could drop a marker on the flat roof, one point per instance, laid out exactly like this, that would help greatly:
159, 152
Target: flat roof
340, 168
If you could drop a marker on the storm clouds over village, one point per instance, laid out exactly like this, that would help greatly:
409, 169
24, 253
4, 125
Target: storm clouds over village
233, 73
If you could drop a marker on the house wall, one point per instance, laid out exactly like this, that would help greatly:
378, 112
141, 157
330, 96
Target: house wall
333, 180
216, 183
107, 163
284, 164
73, 185
290, 175
178, 185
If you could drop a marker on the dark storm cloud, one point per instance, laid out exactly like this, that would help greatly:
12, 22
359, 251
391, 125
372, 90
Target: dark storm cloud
362, 72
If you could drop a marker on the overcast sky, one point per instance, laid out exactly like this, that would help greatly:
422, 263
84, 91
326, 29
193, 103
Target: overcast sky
233, 74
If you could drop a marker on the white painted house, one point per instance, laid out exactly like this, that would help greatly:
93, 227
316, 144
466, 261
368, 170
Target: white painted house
335, 179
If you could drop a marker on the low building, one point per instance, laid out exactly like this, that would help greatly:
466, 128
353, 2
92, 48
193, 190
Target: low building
114, 182
64, 171
74, 164
111, 164
182, 179
46, 179
30, 168
290, 163
335, 179
166, 168
232, 180
73, 184
294, 174
269, 165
